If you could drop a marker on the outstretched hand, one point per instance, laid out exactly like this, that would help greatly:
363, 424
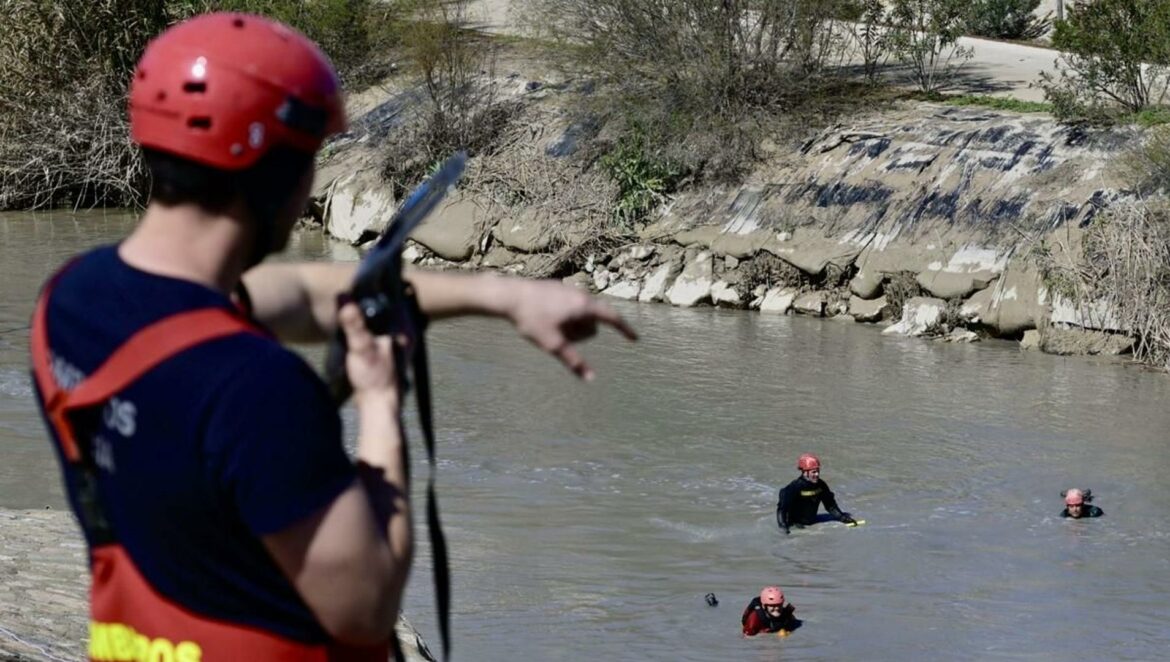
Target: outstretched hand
554, 316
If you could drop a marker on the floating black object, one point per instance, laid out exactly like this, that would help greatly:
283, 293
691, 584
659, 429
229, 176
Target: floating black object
711, 600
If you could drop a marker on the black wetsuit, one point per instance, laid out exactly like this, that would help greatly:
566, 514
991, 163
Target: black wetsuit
800, 499
1086, 511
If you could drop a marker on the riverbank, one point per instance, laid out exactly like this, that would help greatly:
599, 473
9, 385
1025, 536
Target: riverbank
931, 219
44, 592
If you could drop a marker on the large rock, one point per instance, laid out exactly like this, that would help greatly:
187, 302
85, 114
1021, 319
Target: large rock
810, 303
1018, 302
693, 285
778, 300
969, 269
453, 231
624, 289
811, 251
358, 205
724, 294
866, 284
654, 287
527, 232
499, 257
920, 315
1077, 341
867, 310
976, 309
1031, 340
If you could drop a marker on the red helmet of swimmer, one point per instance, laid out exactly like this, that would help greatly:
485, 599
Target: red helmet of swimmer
222, 89
1074, 497
808, 462
771, 595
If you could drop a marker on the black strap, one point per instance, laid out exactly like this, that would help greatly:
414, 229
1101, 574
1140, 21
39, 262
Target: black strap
422, 379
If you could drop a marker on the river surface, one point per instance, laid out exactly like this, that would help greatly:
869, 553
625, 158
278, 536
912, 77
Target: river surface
588, 521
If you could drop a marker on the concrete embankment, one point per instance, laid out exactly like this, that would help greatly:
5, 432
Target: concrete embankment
925, 217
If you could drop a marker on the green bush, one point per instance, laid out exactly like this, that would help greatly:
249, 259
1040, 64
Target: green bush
1114, 54
1007, 19
643, 180
925, 38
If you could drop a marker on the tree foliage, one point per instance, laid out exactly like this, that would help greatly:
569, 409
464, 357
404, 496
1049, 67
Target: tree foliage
926, 38
1007, 19
1113, 53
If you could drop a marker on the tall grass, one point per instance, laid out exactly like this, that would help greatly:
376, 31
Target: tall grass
64, 70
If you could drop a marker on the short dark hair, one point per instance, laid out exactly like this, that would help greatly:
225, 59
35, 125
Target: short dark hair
264, 186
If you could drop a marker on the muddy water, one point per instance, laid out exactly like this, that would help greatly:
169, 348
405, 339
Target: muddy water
587, 522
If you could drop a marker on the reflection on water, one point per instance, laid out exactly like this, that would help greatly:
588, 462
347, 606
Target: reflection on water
588, 521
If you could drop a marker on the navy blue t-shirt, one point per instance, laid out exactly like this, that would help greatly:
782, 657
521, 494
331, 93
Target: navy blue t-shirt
226, 442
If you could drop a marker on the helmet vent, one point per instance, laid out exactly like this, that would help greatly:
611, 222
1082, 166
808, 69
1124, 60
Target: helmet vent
202, 123
238, 23
195, 87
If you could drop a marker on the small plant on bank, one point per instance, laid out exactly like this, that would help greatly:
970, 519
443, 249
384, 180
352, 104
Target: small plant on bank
926, 39
1007, 19
643, 181
899, 288
1115, 59
871, 36
460, 109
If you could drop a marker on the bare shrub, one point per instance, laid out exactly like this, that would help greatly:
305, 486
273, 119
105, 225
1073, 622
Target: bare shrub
697, 53
64, 71
872, 37
770, 271
899, 288
455, 66
1123, 271
63, 74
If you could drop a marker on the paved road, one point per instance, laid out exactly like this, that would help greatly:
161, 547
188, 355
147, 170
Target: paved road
998, 68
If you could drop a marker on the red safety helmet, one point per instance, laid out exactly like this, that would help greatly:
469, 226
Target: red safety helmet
1074, 497
222, 89
808, 462
771, 595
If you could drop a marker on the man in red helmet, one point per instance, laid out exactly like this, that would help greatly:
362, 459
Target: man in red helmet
202, 458
799, 500
1078, 504
767, 612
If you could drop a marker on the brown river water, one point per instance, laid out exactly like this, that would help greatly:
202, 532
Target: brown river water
588, 521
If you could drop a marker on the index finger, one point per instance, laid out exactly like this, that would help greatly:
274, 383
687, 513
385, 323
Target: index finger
611, 317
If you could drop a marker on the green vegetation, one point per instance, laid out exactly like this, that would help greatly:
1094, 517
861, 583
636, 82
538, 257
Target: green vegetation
899, 288
643, 181
1149, 117
998, 103
1115, 58
925, 37
1006, 19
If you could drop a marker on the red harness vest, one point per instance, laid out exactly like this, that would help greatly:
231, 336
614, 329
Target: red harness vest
129, 619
